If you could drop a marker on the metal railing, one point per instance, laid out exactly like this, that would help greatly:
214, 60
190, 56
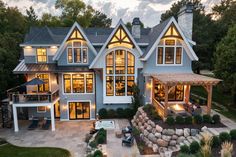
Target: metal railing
35, 97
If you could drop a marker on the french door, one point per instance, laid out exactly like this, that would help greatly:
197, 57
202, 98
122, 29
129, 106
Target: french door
79, 110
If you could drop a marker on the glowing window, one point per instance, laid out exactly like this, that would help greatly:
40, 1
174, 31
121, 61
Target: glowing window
41, 55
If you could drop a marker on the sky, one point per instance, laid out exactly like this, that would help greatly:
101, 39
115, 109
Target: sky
149, 11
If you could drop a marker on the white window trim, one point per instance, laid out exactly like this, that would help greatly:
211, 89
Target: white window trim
81, 47
68, 108
36, 55
71, 83
118, 99
164, 54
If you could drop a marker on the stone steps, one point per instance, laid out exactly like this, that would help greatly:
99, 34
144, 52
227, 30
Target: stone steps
186, 142
196, 139
190, 139
213, 131
199, 136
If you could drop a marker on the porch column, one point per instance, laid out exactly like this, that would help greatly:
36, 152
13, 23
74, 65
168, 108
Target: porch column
166, 101
187, 93
16, 128
209, 98
52, 117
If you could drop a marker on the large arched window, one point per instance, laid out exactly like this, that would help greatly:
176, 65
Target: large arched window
120, 71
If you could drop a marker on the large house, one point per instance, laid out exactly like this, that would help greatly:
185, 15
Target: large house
86, 69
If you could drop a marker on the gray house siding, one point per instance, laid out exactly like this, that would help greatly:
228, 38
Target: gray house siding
32, 59
66, 98
151, 67
32, 112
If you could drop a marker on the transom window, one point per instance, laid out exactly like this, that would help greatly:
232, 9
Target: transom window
43, 87
120, 70
120, 39
77, 52
41, 55
78, 83
169, 51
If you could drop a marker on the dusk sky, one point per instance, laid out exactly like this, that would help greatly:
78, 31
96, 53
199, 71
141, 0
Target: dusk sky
149, 11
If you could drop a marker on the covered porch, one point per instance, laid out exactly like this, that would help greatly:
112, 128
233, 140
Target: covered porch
171, 93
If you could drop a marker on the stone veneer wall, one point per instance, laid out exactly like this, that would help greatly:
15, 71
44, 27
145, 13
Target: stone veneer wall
160, 139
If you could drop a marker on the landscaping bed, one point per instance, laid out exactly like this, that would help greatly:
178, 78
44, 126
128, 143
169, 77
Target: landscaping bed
9, 150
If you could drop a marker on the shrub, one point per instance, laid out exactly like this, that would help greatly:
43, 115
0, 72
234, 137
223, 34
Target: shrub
128, 113
102, 132
207, 118
101, 139
184, 149
111, 113
224, 136
198, 119
188, 120
216, 118
179, 120
135, 131
233, 134
97, 153
155, 115
102, 113
93, 144
170, 120
120, 113
226, 149
215, 142
194, 147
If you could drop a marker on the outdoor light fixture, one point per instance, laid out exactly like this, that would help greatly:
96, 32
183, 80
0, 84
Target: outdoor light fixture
28, 47
53, 47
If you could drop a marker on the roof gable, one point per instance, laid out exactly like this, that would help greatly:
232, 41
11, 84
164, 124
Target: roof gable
168, 24
129, 39
76, 32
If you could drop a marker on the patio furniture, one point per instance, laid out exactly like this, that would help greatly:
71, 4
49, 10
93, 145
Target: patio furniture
127, 129
46, 125
129, 141
197, 111
34, 124
118, 134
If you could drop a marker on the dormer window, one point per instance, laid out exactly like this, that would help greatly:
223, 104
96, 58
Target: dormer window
77, 52
41, 55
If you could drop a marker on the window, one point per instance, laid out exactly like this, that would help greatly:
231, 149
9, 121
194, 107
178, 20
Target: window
41, 109
169, 51
78, 83
41, 55
176, 93
120, 81
77, 52
43, 87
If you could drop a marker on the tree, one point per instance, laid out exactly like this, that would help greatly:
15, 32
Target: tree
225, 61
100, 20
31, 16
136, 99
50, 20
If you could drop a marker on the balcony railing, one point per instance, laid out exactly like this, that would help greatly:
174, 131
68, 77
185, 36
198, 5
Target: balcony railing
35, 97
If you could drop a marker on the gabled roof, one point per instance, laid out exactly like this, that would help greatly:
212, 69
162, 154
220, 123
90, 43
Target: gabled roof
159, 33
75, 26
120, 24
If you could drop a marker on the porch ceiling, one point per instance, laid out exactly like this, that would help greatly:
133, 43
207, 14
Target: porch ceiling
185, 79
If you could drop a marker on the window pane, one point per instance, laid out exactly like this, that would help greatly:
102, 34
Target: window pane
179, 92
130, 83
159, 93
85, 55
79, 110
120, 85
78, 83
120, 61
89, 83
70, 60
160, 55
67, 83
169, 55
109, 63
178, 55
43, 87
77, 55
76, 44
72, 110
130, 63
169, 42
109, 86
41, 55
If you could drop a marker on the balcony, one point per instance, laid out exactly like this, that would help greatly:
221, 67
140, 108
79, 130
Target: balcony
47, 97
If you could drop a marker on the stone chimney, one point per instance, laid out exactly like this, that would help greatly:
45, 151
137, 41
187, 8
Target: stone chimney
185, 20
136, 28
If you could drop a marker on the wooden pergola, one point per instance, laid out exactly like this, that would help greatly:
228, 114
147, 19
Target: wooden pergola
187, 79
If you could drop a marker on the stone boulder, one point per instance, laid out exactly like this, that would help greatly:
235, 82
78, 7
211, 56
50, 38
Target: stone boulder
174, 137
162, 143
141, 128
155, 148
203, 129
166, 138
146, 119
158, 128
186, 132
152, 137
194, 132
158, 135
162, 150
168, 132
149, 128
180, 139
153, 124
179, 132
172, 143
145, 132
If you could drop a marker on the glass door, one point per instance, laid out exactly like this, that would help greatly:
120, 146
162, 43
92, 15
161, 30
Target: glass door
79, 110
57, 110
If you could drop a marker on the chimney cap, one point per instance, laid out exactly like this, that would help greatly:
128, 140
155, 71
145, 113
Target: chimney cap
188, 8
136, 21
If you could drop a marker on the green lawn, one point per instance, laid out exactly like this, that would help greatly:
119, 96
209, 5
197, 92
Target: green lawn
219, 97
9, 150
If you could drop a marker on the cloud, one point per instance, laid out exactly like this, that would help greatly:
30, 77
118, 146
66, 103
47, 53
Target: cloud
158, 1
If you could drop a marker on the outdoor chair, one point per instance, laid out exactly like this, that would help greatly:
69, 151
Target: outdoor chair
197, 111
129, 141
34, 124
127, 129
46, 125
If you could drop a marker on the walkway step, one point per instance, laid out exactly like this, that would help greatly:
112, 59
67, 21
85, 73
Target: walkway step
213, 131
186, 142
181, 144
190, 139
196, 139
199, 136
208, 132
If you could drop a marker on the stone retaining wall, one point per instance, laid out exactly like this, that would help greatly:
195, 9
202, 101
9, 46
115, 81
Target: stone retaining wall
160, 139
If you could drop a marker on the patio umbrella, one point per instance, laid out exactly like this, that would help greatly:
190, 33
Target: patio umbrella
35, 81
